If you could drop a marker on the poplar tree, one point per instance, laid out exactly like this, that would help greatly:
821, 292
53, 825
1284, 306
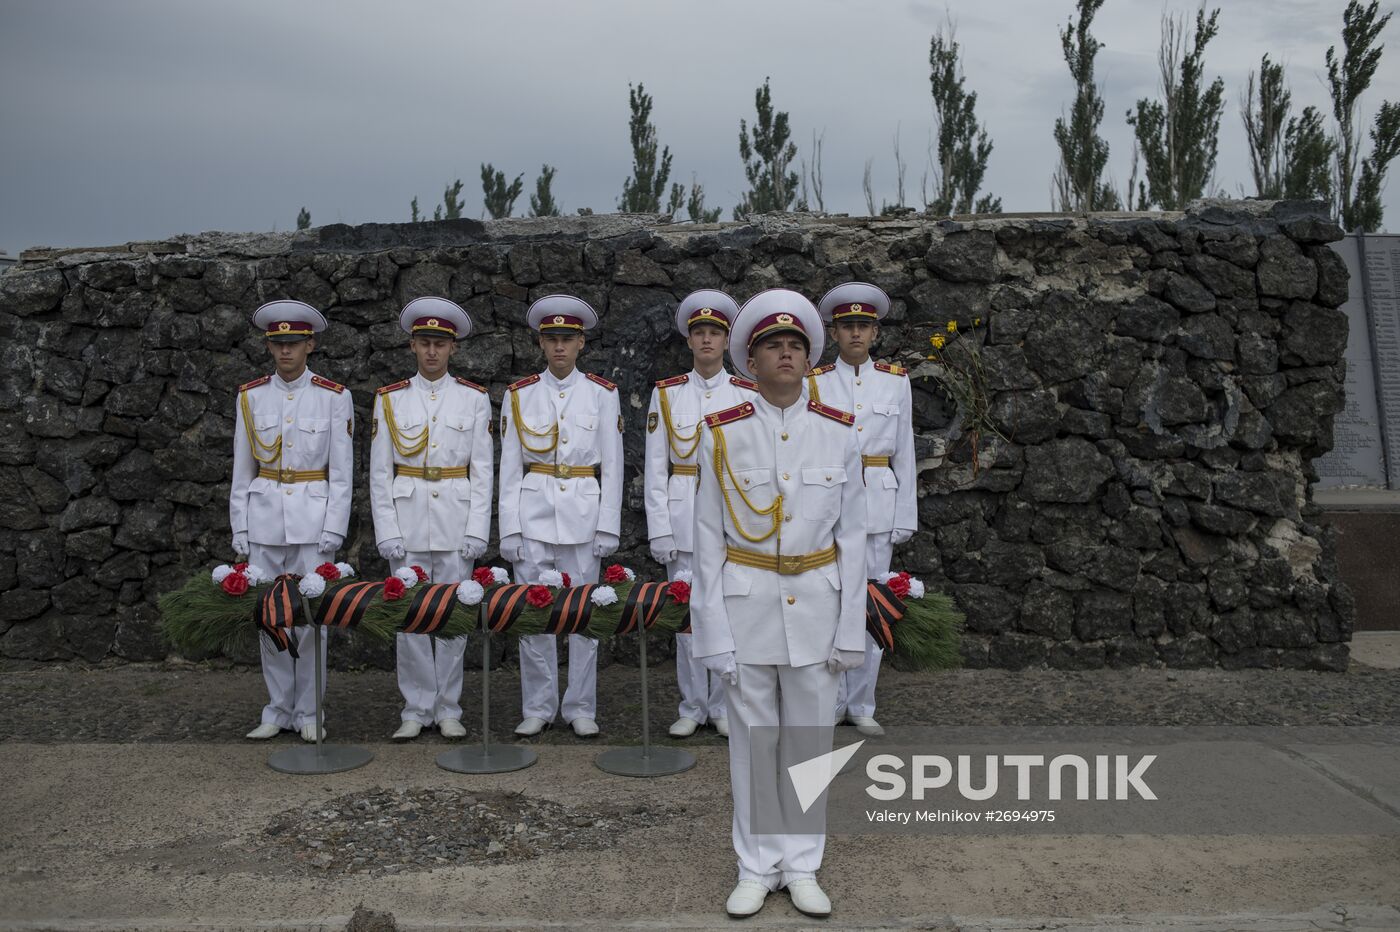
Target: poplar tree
1078, 183
1359, 180
767, 153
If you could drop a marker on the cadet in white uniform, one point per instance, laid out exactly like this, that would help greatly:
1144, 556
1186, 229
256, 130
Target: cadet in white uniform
878, 395
561, 500
672, 475
778, 606
289, 501
430, 490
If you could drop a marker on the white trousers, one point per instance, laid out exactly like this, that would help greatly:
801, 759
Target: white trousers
539, 653
702, 693
772, 696
430, 668
291, 682
856, 694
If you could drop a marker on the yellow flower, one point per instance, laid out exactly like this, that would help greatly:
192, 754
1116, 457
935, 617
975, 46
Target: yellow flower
976, 321
937, 340
952, 326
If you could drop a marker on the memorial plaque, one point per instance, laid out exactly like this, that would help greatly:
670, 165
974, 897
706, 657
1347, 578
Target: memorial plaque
1366, 450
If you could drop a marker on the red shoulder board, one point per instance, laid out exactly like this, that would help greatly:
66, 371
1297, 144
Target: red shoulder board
469, 383
729, 415
674, 380
393, 388
610, 386
743, 383
822, 370
836, 414
528, 380
891, 368
327, 383
255, 383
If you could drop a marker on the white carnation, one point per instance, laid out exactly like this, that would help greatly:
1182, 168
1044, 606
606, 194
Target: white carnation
409, 578
551, 578
916, 589
469, 592
684, 576
312, 585
603, 595
885, 577
630, 575
256, 575
346, 570
221, 572
500, 576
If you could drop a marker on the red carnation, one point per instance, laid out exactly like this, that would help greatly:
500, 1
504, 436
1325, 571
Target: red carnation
239, 567
539, 596
422, 576
235, 583
328, 572
899, 585
393, 589
567, 582
679, 591
615, 573
483, 577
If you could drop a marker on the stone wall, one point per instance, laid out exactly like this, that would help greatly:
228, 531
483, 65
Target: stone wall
1165, 381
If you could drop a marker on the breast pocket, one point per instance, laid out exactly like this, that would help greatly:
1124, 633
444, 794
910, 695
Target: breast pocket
580, 435
312, 435
821, 492
749, 480
459, 435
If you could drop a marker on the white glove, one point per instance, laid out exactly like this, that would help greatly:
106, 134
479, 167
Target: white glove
512, 548
392, 549
899, 535
722, 666
663, 549
330, 542
842, 660
240, 543
604, 544
472, 548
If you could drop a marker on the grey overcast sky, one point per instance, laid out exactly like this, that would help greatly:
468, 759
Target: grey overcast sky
137, 119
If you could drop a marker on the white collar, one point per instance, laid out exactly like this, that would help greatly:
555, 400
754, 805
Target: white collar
299, 382
719, 377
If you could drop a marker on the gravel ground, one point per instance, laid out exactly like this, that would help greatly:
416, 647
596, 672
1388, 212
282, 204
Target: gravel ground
171, 703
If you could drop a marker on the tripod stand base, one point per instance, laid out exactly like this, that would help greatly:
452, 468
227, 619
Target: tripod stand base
315, 759
498, 758
644, 762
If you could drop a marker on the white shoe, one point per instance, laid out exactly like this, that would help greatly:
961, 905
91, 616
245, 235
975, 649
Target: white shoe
747, 899
585, 727
264, 731
531, 726
683, 727
722, 727
308, 733
808, 897
451, 728
408, 731
866, 725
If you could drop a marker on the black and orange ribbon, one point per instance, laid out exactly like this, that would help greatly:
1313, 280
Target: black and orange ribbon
344, 607
572, 608
503, 606
883, 610
275, 613
431, 608
643, 606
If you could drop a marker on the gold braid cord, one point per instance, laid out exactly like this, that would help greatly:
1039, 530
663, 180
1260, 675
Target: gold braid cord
408, 446
673, 436
812, 391
773, 512
271, 452
521, 429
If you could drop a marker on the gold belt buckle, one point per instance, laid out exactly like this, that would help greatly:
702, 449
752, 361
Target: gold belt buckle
789, 564
432, 473
287, 475
562, 471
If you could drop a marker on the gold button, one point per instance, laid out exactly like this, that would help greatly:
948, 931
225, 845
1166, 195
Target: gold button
289, 420
561, 394
708, 394
787, 517
289, 491
434, 446
784, 436
858, 407
434, 418
857, 381
291, 397
786, 476
289, 445
746, 482
561, 486
828, 478
563, 439
859, 428
792, 599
